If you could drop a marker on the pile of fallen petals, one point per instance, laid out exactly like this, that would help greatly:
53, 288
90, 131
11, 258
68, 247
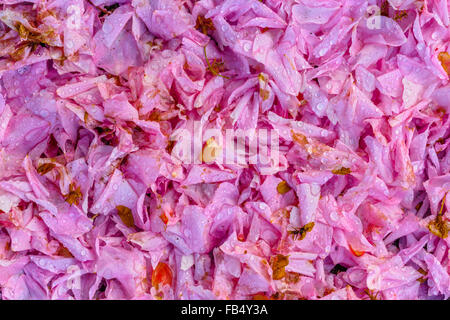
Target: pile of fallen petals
95, 202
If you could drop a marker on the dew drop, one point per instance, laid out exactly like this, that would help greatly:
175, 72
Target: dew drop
44, 113
321, 106
334, 216
322, 52
106, 28
23, 70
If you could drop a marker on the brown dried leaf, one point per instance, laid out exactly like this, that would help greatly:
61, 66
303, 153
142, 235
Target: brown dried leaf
126, 216
204, 25
64, 252
74, 195
400, 15
444, 58
299, 138
342, 171
283, 187
45, 168
279, 263
439, 227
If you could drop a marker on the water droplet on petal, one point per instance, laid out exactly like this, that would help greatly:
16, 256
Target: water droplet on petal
334, 216
107, 28
23, 70
321, 106
322, 52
